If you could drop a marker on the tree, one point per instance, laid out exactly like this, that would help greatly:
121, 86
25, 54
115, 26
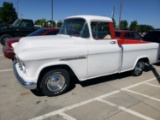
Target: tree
123, 25
133, 25
144, 28
51, 23
41, 22
8, 13
59, 24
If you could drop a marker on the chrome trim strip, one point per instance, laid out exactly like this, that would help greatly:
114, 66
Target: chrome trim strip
28, 85
121, 59
73, 58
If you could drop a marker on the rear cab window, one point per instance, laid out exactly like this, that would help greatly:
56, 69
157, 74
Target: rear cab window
100, 30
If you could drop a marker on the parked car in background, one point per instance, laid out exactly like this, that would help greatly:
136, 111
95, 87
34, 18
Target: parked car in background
126, 34
152, 36
4, 25
20, 27
8, 50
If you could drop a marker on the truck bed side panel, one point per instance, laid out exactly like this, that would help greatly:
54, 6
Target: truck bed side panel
134, 52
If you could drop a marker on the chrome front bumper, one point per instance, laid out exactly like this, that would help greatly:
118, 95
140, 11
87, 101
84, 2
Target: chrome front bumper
28, 85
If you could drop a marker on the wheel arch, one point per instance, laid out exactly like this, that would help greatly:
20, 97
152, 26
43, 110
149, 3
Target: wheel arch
144, 59
62, 66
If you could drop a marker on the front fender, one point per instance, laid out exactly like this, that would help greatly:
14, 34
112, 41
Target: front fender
34, 68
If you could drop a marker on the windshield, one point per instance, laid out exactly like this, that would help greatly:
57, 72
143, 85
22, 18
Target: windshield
75, 27
16, 23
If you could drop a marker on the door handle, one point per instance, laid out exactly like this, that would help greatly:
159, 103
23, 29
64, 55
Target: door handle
113, 42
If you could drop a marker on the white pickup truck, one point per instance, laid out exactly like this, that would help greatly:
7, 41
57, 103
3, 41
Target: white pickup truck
86, 47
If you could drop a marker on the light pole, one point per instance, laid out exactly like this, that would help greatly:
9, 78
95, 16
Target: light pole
17, 8
113, 12
52, 12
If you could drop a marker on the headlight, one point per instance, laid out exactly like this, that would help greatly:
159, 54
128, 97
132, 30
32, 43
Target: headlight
21, 65
23, 68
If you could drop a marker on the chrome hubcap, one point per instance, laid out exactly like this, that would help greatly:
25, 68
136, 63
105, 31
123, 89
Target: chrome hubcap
139, 68
55, 82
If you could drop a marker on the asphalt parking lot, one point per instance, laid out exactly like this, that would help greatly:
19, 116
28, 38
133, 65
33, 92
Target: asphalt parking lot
115, 97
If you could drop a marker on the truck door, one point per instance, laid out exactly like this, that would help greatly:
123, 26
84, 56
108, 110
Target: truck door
104, 54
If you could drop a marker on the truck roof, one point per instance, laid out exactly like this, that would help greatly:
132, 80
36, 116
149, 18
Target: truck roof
92, 17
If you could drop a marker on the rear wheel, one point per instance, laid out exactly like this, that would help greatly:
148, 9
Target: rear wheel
55, 82
3, 37
138, 70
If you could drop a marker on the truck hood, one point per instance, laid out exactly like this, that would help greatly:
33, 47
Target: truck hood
42, 42
32, 46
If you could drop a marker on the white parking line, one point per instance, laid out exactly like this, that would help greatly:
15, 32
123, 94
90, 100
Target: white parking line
126, 110
61, 111
157, 86
67, 117
156, 99
137, 84
73, 106
6, 70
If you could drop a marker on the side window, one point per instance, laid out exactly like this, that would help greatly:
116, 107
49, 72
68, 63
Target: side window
26, 24
137, 36
127, 35
22, 24
100, 30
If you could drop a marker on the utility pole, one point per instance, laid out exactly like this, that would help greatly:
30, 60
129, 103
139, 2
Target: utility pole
113, 12
52, 13
120, 14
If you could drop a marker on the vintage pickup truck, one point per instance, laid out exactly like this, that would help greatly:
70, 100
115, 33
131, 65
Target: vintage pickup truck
85, 47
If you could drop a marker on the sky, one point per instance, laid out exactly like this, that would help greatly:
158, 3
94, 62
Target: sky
144, 11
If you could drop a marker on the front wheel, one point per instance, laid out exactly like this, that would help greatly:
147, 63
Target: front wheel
55, 82
3, 37
138, 70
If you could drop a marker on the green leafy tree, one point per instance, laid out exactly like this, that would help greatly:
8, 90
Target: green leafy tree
59, 24
51, 23
123, 25
133, 26
7, 13
41, 22
144, 28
